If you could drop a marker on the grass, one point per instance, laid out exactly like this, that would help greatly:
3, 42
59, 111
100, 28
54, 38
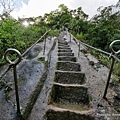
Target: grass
2, 61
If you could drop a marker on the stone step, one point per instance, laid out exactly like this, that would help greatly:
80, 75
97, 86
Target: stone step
62, 47
55, 113
68, 58
69, 77
65, 54
64, 50
73, 107
62, 42
69, 94
67, 66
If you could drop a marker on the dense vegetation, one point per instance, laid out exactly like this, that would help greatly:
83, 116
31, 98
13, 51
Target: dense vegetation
98, 31
13, 34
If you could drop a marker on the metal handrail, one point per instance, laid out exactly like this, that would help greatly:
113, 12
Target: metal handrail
112, 65
112, 54
14, 64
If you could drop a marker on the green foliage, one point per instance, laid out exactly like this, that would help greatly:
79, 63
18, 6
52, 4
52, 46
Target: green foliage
117, 69
54, 33
101, 57
80, 36
104, 27
7, 96
90, 98
2, 84
13, 34
6, 87
41, 59
117, 36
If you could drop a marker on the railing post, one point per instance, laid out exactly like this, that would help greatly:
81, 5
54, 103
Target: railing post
70, 36
109, 76
78, 49
14, 64
44, 45
16, 89
112, 65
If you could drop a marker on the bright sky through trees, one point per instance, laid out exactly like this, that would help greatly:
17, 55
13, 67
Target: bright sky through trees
34, 8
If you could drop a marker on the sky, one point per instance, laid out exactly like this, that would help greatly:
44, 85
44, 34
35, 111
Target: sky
34, 8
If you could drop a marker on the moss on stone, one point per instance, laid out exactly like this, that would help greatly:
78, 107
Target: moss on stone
41, 59
74, 59
70, 95
66, 115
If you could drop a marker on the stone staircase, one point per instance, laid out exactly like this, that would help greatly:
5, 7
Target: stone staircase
69, 98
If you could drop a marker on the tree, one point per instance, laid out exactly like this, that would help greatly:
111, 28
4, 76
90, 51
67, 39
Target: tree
63, 8
7, 6
105, 27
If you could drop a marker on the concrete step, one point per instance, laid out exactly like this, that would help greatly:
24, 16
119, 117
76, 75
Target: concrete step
69, 94
62, 41
62, 47
69, 77
68, 66
64, 50
63, 114
68, 58
65, 54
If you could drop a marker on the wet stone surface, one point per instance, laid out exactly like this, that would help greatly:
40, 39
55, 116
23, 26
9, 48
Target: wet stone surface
68, 66
69, 58
62, 42
69, 94
117, 89
64, 50
69, 77
62, 47
65, 54
34, 51
66, 115
116, 102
